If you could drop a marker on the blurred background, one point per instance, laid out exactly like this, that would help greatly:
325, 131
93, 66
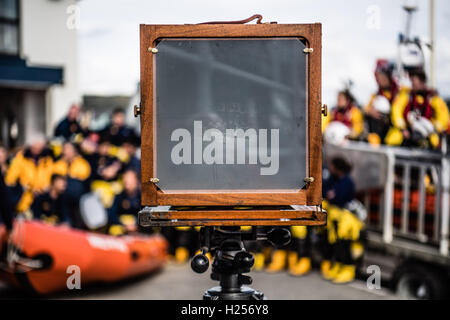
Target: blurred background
89, 50
69, 78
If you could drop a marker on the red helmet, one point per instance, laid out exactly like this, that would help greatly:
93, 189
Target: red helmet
384, 66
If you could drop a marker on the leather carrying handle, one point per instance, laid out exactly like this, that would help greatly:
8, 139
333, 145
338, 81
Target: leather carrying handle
244, 21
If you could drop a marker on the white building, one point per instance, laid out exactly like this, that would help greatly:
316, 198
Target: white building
38, 66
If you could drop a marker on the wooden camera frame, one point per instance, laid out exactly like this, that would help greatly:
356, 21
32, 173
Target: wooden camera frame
307, 201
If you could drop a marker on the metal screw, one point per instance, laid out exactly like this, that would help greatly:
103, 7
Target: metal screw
325, 110
152, 50
308, 50
309, 179
137, 110
154, 180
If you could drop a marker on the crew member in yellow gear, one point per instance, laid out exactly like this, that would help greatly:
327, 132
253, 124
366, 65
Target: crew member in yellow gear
77, 171
184, 241
30, 173
170, 234
377, 111
71, 164
343, 227
106, 172
346, 112
299, 258
418, 116
324, 246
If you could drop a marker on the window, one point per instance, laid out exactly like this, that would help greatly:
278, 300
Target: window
9, 27
253, 86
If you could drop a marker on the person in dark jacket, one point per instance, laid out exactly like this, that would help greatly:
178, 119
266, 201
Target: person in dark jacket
130, 146
104, 166
106, 172
118, 131
51, 206
339, 188
126, 205
69, 126
343, 226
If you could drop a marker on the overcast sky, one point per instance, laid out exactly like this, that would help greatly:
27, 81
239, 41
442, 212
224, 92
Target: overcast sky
353, 37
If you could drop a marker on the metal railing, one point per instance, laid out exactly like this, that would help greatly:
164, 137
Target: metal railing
402, 173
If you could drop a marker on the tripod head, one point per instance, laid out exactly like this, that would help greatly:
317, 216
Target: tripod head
231, 260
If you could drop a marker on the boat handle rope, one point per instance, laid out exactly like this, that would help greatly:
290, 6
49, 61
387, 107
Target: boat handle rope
15, 262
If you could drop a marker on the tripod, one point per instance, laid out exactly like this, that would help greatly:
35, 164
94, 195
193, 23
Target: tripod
231, 260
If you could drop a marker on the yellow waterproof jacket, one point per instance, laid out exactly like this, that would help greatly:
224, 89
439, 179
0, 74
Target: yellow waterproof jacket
32, 176
439, 119
299, 232
369, 105
352, 118
119, 153
357, 120
341, 223
389, 94
78, 169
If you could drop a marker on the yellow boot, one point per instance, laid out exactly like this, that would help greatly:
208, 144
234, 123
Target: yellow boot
333, 271
259, 262
181, 254
292, 259
302, 267
357, 250
267, 252
325, 267
116, 230
345, 275
278, 261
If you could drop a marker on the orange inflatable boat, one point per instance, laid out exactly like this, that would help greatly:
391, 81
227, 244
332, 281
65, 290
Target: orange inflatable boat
47, 258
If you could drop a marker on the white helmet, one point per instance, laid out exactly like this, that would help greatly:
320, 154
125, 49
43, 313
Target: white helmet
336, 133
421, 125
357, 208
411, 55
381, 104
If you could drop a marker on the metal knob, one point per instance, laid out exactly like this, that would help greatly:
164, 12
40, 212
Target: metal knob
309, 180
325, 110
279, 236
243, 260
200, 263
137, 110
